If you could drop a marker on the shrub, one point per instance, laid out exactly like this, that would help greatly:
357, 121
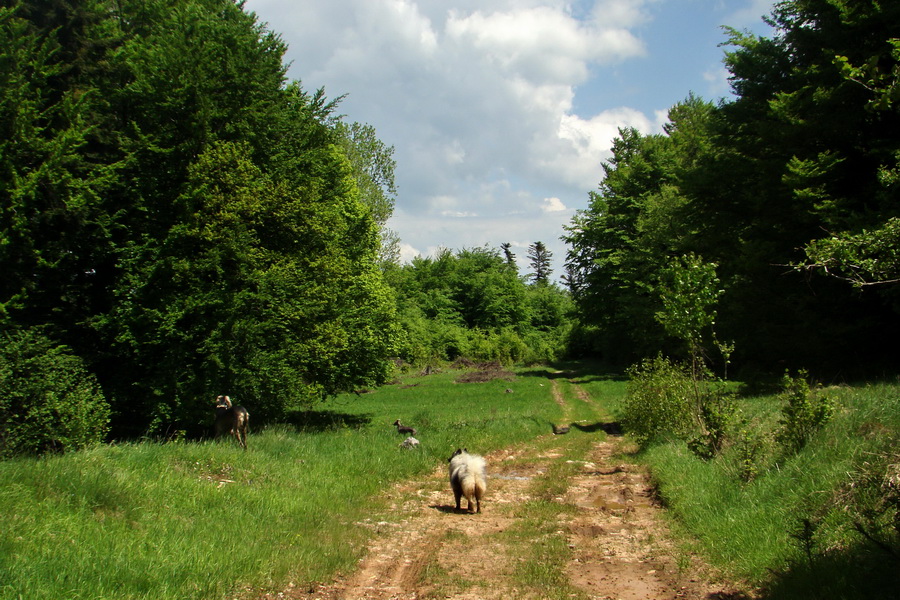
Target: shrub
658, 401
545, 346
716, 412
504, 345
48, 401
750, 448
805, 410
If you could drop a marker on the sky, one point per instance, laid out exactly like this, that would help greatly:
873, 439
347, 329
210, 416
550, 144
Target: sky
502, 112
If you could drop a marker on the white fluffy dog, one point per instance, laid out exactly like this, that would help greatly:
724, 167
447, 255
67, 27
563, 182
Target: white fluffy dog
467, 478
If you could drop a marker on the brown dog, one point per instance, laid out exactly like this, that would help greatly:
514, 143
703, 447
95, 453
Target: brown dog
232, 420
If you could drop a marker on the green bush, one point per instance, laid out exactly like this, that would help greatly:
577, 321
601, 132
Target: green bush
716, 412
48, 401
658, 402
428, 341
546, 346
805, 410
821, 523
751, 446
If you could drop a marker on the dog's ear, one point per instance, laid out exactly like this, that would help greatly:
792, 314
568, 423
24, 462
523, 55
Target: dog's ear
466, 450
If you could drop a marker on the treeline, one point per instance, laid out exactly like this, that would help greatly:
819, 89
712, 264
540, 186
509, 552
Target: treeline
178, 221
790, 192
474, 304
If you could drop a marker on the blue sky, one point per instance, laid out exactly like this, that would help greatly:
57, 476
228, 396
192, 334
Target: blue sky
501, 112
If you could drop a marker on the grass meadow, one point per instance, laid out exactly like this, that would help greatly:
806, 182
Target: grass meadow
205, 520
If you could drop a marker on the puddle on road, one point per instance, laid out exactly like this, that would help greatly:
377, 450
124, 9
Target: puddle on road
606, 504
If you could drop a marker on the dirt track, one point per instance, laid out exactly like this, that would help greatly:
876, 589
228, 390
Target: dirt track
615, 542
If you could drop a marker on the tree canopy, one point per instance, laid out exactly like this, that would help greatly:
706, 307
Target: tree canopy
473, 304
787, 188
183, 218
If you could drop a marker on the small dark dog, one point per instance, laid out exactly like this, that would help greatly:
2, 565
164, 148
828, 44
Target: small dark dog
404, 428
232, 420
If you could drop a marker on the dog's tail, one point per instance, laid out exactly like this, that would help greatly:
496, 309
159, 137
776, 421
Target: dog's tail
474, 483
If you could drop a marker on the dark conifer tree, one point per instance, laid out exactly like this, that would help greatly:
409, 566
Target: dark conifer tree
539, 257
508, 254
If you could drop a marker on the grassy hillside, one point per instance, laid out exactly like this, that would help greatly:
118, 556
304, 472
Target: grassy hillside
821, 523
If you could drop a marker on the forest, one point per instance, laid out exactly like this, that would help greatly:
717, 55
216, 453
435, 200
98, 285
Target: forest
789, 191
177, 218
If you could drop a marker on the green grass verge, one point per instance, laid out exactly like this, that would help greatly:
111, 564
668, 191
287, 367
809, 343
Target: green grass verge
207, 520
791, 530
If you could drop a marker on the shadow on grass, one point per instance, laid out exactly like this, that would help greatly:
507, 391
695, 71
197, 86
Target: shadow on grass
578, 371
857, 573
609, 428
326, 420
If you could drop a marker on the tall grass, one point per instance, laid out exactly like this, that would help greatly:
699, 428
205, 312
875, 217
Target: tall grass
790, 529
202, 520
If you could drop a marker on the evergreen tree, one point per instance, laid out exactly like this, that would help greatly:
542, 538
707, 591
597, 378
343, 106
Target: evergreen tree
539, 257
508, 254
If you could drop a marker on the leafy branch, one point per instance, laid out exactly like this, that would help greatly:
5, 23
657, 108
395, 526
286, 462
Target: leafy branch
868, 258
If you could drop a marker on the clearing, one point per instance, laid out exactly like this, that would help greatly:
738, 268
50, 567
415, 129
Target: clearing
565, 516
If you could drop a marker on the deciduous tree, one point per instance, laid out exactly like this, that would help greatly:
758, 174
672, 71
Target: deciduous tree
187, 221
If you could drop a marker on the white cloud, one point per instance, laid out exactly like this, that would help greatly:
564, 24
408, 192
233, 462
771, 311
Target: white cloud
615, 13
552, 205
455, 153
407, 252
458, 214
541, 44
584, 143
477, 98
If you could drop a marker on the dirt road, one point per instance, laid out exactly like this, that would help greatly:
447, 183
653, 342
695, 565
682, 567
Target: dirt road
565, 516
